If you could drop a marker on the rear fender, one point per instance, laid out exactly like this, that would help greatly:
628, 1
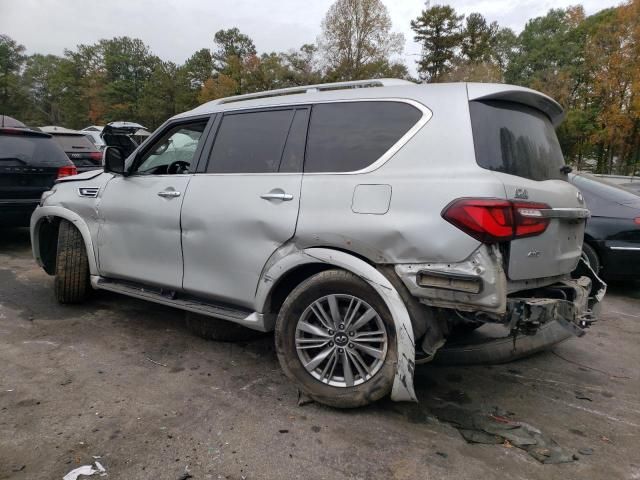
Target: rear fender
291, 258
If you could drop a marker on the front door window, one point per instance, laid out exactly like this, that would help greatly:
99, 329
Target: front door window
174, 152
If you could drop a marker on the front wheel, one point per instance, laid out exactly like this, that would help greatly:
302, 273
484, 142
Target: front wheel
336, 340
72, 266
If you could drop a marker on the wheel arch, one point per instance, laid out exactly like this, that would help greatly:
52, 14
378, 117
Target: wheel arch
45, 222
290, 263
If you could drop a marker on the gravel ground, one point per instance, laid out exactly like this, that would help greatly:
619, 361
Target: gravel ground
123, 380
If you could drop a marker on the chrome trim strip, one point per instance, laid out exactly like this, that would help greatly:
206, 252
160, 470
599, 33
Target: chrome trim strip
565, 213
630, 249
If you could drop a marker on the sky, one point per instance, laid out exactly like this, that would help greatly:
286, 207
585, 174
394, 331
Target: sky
175, 29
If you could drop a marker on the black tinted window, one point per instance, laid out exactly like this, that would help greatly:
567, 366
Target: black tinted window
349, 136
75, 143
250, 142
293, 155
16, 150
515, 139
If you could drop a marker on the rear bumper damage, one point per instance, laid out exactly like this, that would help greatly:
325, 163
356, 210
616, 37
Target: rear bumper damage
573, 303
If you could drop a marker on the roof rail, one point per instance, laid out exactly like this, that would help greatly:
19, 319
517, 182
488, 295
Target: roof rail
321, 87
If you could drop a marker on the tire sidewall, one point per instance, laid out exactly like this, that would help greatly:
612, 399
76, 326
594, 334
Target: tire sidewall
320, 285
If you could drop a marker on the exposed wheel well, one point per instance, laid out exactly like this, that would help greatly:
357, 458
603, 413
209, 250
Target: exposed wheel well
48, 243
291, 280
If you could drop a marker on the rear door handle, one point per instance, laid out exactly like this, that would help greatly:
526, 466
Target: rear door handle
277, 195
168, 194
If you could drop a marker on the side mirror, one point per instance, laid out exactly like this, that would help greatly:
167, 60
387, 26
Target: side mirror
113, 160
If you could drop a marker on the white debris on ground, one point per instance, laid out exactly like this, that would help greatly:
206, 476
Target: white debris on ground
87, 470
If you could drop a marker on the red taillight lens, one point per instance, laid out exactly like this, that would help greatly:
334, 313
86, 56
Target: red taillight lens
636, 220
96, 156
67, 171
494, 220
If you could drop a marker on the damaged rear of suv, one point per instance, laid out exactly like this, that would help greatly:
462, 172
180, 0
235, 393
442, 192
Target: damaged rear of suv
363, 222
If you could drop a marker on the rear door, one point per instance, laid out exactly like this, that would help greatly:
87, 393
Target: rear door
244, 204
519, 144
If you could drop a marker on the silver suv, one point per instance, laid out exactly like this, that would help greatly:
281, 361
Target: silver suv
364, 222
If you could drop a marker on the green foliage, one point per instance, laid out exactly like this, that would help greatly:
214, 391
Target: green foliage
439, 30
591, 65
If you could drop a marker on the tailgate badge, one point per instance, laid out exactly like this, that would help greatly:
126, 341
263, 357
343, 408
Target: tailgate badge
580, 197
534, 253
522, 193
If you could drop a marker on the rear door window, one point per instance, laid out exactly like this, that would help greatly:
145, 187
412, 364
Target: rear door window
350, 136
252, 142
515, 139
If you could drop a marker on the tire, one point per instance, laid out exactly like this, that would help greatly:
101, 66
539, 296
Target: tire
592, 256
218, 330
370, 380
72, 267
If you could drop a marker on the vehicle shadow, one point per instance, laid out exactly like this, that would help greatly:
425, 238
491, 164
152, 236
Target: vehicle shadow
14, 240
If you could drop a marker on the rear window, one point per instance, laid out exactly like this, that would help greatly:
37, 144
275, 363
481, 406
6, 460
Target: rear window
350, 136
515, 139
19, 150
75, 143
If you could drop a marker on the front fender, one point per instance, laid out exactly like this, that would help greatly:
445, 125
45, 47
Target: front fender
41, 214
403, 382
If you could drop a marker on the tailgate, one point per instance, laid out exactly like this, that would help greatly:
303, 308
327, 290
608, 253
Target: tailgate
558, 249
517, 141
23, 182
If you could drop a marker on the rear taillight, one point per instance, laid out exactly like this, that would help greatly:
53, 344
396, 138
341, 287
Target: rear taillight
96, 156
494, 220
67, 171
636, 220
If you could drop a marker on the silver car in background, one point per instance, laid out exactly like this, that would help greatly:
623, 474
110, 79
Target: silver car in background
362, 221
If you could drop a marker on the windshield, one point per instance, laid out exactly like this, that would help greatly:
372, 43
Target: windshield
515, 139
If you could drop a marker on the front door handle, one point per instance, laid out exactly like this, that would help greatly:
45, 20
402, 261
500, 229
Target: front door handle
277, 194
168, 194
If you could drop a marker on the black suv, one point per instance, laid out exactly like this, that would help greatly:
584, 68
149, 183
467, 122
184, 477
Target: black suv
30, 163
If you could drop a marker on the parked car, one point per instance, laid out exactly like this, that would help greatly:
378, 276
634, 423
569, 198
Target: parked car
612, 237
94, 134
81, 151
120, 135
30, 162
361, 224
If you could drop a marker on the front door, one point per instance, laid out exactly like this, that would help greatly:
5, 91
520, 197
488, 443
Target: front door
139, 232
244, 204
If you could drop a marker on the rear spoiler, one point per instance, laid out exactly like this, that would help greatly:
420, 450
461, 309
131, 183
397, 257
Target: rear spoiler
513, 93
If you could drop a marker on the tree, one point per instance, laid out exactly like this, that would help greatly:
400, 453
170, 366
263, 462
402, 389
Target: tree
303, 65
438, 29
356, 36
11, 61
233, 50
477, 39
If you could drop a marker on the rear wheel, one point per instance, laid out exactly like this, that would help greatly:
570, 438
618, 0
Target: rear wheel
72, 266
336, 340
592, 257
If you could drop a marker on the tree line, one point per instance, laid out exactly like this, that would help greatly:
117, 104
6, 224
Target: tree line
590, 64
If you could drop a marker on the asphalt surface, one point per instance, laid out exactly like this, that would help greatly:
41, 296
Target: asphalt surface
123, 380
